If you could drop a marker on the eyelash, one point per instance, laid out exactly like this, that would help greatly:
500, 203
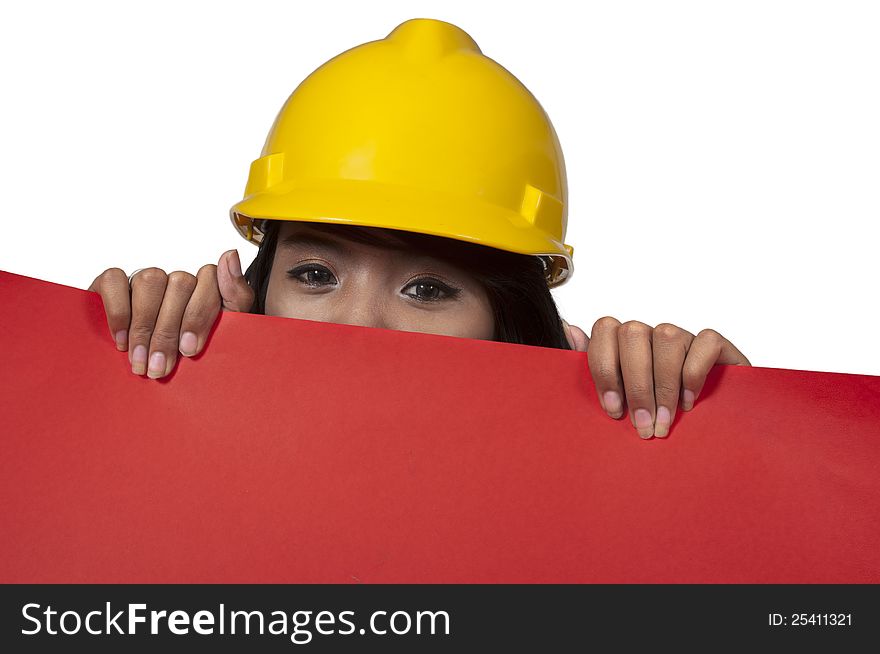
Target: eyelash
448, 291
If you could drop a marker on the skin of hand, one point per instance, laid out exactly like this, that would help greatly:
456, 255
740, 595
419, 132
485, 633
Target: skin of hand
653, 368
160, 316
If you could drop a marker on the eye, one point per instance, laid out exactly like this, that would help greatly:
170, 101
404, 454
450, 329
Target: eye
315, 275
431, 290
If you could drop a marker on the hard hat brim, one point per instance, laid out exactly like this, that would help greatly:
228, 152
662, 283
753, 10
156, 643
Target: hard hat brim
373, 204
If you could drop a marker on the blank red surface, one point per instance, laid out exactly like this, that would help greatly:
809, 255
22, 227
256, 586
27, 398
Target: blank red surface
300, 451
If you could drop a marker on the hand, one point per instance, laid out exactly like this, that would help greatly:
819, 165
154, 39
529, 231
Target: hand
161, 315
656, 367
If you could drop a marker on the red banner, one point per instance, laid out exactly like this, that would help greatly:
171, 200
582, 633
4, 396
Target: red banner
300, 451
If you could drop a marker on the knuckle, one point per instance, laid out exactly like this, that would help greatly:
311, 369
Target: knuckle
606, 323
164, 339
691, 373
117, 316
151, 277
667, 332
665, 389
201, 316
605, 374
709, 334
633, 330
113, 273
105, 278
639, 390
181, 280
140, 333
207, 269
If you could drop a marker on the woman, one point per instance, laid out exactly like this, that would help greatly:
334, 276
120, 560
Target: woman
412, 183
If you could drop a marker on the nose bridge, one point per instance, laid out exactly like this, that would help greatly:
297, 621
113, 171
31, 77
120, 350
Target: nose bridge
364, 303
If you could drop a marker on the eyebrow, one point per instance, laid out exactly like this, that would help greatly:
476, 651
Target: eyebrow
317, 241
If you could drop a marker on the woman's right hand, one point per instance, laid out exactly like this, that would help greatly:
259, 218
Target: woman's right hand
160, 316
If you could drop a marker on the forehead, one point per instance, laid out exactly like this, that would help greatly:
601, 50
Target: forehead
335, 232
341, 238
298, 237
293, 236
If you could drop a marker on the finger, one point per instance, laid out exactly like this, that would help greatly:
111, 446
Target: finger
235, 292
166, 334
112, 286
567, 330
604, 363
708, 348
147, 291
577, 339
637, 369
670, 346
581, 340
201, 312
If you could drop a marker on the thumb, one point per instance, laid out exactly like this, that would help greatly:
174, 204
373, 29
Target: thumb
235, 292
577, 339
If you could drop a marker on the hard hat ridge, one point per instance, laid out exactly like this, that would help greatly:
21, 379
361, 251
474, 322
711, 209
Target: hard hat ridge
427, 39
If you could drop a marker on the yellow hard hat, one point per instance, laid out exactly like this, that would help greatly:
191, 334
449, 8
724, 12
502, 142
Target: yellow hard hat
420, 132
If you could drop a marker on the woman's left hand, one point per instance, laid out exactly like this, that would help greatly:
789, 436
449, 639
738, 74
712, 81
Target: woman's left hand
656, 367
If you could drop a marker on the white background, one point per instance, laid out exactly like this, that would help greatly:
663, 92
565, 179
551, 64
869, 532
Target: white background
723, 157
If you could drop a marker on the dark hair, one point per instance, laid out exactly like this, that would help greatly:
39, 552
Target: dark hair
521, 302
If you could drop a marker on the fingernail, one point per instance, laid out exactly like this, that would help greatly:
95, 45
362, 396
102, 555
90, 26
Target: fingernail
122, 340
688, 402
644, 423
612, 403
661, 428
188, 344
139, 360
157, 365
234, 264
